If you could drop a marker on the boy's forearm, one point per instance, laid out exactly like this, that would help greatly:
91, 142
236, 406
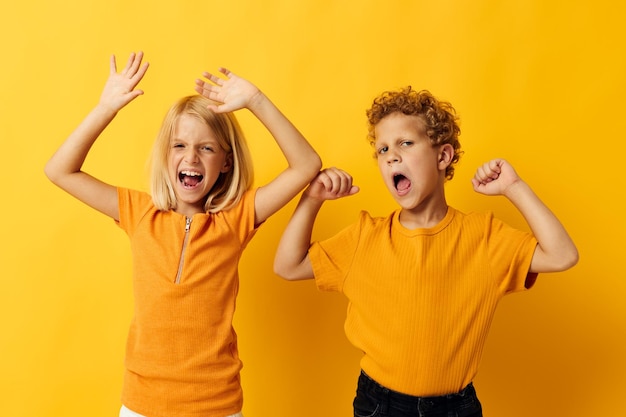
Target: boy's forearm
556, 250
292, 261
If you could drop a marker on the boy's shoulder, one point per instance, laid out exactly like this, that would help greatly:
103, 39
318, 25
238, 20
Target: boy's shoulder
366, 217
453, 218
471, 215
483, 219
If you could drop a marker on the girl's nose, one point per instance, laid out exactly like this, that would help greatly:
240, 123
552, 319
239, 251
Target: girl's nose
191, 156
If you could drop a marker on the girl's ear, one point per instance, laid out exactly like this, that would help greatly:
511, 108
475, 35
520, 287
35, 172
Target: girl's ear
446, 154
228, 163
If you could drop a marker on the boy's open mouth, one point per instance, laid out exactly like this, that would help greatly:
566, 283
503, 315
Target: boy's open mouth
401, 183
190, 179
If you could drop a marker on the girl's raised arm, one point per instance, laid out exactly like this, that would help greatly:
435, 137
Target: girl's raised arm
65, 167
303, 162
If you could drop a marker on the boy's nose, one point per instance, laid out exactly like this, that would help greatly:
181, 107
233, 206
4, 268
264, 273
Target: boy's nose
392, 156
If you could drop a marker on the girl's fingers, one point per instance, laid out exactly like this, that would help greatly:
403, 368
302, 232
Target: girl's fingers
213, 78
129, 63
112, 65
136, 67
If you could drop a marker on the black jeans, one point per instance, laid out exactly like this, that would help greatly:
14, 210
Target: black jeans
374, 400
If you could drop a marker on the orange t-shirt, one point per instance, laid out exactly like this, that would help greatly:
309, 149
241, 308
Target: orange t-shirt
181, 356
421, 301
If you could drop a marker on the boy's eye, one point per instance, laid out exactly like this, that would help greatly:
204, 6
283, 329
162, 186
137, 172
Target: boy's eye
407, 143
382, 150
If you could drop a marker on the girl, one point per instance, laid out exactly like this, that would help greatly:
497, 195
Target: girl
187, 237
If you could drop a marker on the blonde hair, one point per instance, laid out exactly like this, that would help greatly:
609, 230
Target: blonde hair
230, 186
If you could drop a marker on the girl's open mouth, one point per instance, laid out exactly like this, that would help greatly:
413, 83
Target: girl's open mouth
190, 179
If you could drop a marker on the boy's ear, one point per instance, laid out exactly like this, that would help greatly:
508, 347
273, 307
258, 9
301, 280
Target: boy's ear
228, 163
446, 154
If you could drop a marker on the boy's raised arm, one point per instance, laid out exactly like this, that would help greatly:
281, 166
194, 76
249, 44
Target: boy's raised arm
292, 259
555, 250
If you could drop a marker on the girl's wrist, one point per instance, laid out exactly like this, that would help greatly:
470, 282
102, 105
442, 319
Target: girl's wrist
257, 100
105, 110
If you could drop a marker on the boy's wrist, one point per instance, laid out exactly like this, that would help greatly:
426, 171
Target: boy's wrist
516, 190
310, 201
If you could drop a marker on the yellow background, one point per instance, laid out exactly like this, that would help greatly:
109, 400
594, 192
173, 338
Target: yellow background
540, 83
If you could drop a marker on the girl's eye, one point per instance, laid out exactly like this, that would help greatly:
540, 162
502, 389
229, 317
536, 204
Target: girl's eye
382, 150
177, 145
407, 143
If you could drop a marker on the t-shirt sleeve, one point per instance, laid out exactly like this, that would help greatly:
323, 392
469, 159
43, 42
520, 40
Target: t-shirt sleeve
511, 252
241, 217
332, 258
133, 205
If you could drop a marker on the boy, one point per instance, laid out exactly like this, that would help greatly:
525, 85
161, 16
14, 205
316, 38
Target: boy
423, 283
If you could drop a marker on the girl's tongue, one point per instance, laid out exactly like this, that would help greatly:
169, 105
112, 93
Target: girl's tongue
190, 180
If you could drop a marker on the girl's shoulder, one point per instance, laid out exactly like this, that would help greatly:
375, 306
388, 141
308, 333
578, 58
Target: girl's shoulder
133, 205
133, 198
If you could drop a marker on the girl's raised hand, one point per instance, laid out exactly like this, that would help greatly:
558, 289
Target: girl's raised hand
331, 184
232, 92
119, 89
494, 177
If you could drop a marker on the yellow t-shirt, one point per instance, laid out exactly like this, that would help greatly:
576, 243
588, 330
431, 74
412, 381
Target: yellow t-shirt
181, 356
421, 301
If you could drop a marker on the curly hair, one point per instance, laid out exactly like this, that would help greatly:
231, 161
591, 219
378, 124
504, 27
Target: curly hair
439, 118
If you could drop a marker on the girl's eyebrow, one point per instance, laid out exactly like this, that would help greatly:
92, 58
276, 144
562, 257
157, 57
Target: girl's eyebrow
205, 142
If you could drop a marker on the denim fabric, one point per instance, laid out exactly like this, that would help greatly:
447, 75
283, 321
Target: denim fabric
374, 400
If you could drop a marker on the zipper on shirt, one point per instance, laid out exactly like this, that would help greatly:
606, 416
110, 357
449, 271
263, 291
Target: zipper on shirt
182, 252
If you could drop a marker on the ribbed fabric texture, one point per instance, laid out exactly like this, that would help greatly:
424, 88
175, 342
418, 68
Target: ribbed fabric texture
182, 358
421, 301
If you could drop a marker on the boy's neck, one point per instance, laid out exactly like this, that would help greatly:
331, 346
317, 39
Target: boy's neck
423, 218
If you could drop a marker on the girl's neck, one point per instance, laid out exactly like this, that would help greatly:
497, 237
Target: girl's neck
188, 211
